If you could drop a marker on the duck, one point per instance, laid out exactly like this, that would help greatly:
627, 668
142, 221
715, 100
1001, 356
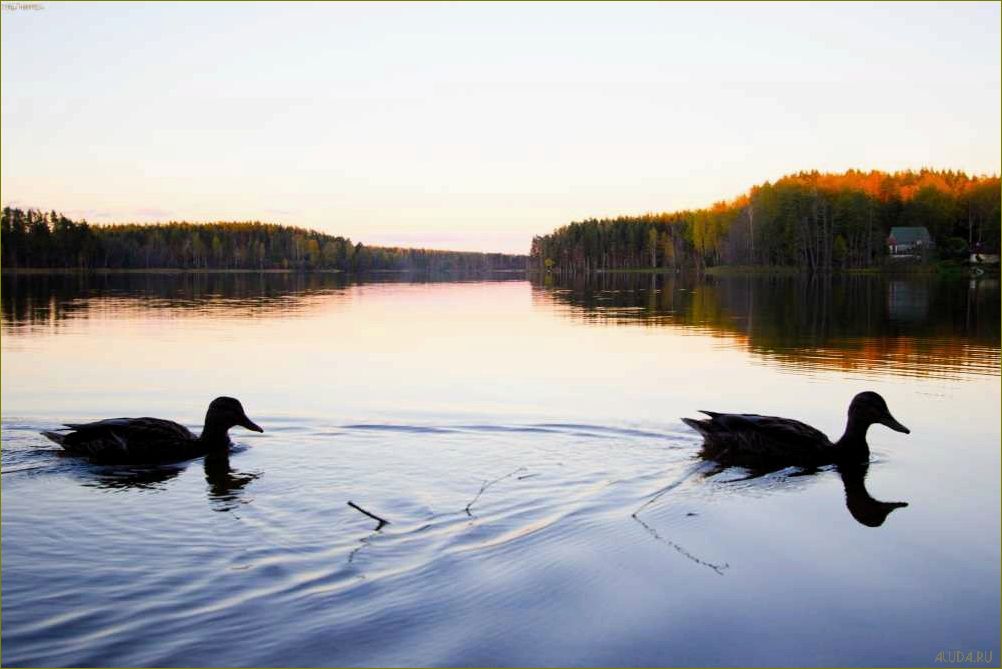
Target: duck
767, 442
153, 440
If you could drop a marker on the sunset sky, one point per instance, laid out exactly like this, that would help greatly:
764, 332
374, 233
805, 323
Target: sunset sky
476, 126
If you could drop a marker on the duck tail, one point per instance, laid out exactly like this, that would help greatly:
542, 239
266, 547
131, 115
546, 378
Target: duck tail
701, 426
57, 437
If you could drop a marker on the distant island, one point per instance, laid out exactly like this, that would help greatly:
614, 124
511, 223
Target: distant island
36, 240
811, 221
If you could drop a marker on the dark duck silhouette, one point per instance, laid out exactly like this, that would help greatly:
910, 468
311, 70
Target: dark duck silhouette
769, 443
153, 440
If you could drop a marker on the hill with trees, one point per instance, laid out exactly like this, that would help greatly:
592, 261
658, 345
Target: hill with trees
811, 220
33, 239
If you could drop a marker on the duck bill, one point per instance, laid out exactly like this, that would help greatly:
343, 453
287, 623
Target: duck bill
890, 422
250, 425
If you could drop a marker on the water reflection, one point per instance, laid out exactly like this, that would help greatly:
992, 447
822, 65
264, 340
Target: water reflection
873, 325
122, 477
40, 301
409, 400
863, 507
35, 301
225, 485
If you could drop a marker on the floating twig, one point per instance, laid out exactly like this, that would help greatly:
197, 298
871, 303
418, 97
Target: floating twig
701, 467
22, 469
381, 521
671, 486
362, 543
718, 568
488, 484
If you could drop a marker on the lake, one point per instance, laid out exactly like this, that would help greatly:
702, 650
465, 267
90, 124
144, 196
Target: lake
524, 440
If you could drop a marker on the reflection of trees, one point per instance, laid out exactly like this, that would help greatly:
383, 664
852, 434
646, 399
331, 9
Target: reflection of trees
43, 299
32, 300
914, 325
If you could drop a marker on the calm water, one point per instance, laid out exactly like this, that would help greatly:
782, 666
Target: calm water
508, 430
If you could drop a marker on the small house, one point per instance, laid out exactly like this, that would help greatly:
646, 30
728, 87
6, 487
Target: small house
908, 240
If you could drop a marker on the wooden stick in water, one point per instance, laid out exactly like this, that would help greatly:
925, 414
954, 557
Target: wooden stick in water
381, 521
700, 467
488, 484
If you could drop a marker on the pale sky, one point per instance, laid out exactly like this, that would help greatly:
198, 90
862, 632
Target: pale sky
476, 126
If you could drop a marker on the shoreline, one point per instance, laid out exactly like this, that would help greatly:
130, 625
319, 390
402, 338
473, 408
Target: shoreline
945, 270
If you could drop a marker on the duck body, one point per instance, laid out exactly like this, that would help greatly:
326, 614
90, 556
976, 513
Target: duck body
756, 441
131, 440
770, 442
153, 440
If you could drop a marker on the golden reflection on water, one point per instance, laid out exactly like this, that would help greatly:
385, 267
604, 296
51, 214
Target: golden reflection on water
864, 325
391, 348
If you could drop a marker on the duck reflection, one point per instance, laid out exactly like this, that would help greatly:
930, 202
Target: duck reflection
226, 486
863, 507
125, 477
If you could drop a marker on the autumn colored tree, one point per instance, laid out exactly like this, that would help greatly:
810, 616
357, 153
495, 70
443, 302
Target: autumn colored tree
812, 220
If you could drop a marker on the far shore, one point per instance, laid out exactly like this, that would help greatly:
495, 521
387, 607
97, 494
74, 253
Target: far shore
203, 270
946, 268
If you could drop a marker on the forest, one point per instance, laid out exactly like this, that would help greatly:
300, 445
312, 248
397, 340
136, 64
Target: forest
34, 239
810, 220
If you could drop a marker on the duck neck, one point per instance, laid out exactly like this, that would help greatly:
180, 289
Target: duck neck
853, 442
854, 481
215, 436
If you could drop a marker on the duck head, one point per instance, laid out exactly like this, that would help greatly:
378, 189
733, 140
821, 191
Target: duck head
868, 408
227, 412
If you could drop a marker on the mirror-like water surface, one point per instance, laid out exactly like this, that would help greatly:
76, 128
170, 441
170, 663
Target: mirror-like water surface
509, 431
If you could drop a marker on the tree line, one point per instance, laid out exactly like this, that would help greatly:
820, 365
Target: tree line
37, 239
812, 220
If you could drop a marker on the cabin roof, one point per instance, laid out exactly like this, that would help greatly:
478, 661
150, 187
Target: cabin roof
910, 235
